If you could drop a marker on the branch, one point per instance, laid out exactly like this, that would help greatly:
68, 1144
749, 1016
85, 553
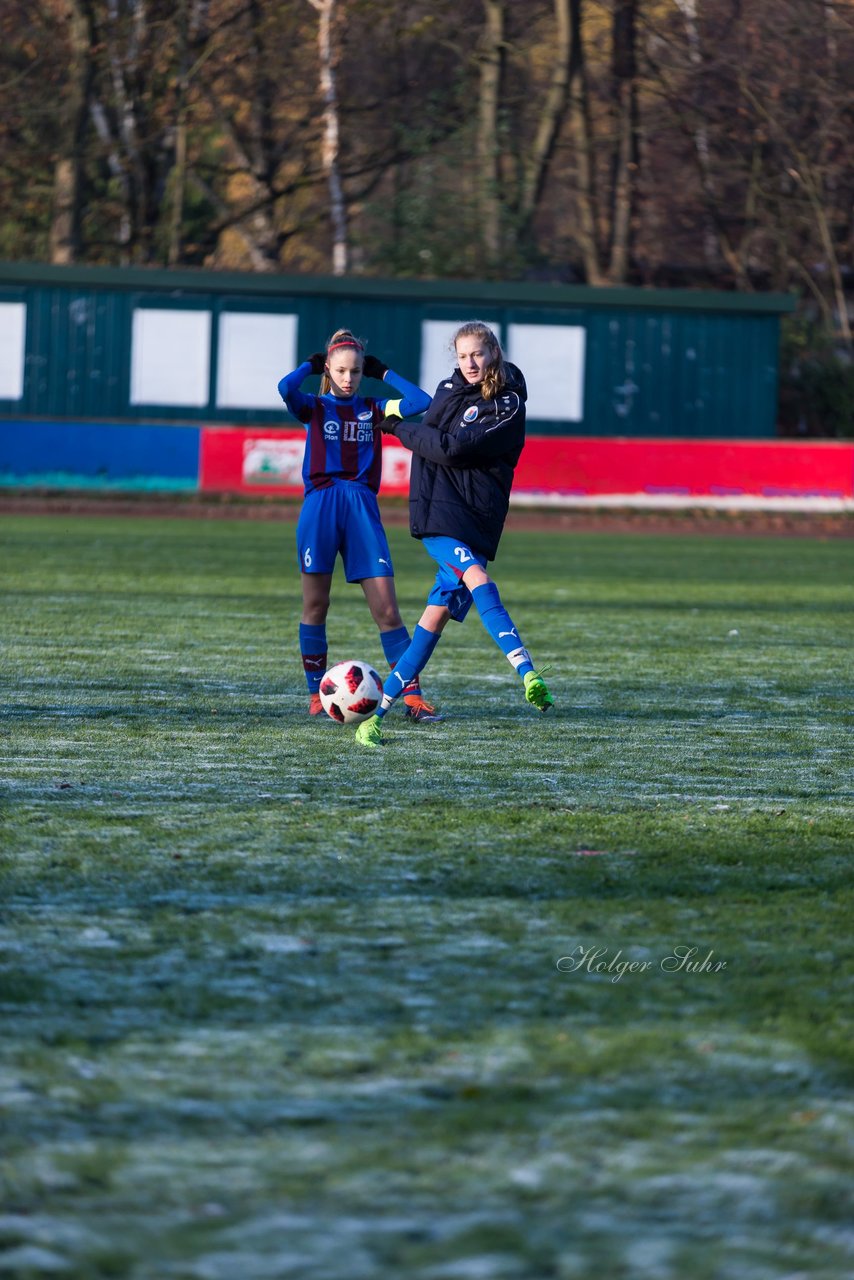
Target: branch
805, 177
551, 118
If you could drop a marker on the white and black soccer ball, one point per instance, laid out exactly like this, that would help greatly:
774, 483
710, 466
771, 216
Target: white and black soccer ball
350, 692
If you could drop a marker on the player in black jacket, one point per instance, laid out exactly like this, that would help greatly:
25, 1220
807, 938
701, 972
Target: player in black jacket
464, 454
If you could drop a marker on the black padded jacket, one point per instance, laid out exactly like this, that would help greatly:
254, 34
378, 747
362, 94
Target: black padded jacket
464, 454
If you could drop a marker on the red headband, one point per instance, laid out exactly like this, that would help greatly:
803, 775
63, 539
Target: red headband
350, 342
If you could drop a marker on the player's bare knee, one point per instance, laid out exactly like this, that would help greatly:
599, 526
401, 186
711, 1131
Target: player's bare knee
434, 618
314, 612
387, 617
476, 576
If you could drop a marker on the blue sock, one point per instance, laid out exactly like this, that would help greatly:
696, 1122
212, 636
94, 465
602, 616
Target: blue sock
312, 646
394, 643
414, 661
499, 624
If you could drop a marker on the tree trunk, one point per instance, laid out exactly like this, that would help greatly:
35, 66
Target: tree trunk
64, 239
179, 169
625, 162
263, 99
117, 170
488, 145
586, 197
328, 91
551, 118
715, 242
122, 44
623, 199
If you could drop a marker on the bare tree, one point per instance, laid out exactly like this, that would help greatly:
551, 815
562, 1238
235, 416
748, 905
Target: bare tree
586, 193
69, 169
551, 118
803, 172
331, 145
179, 171
625, 159
690, 88
690, 14
488, 142
255, 177
692, 141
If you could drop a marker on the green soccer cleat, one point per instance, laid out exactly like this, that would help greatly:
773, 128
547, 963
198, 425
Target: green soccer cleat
370, 732
537, 691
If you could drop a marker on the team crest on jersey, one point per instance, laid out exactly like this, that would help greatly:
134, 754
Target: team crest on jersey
330, 429
470, 413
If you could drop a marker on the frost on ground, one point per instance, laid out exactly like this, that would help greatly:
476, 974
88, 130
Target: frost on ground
271, 1008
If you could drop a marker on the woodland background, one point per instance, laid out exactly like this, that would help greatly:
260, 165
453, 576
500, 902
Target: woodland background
696, 143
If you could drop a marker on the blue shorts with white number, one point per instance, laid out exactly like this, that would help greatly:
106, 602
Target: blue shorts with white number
453, 558
343, 519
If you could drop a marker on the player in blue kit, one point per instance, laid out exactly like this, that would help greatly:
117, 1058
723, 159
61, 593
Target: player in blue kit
341, 471
464, 455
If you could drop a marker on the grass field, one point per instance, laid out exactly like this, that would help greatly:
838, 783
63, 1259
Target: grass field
276, 1007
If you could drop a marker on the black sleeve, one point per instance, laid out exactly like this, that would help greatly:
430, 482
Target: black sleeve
491, 436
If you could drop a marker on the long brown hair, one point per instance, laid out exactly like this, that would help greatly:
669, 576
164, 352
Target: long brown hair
495, 376
340, 338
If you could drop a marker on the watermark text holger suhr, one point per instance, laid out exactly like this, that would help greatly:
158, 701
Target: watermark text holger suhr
599, 960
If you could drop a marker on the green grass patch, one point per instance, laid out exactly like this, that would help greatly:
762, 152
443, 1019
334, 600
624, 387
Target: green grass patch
513, 997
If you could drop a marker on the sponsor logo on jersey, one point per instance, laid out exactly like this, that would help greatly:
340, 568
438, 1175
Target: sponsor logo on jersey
330, 429
470, 413
360, 432
366, 416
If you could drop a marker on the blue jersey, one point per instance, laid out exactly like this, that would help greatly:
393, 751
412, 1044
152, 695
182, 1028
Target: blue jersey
344, 439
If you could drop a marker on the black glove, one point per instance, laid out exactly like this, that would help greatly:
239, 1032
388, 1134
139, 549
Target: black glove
374, 368
317, 361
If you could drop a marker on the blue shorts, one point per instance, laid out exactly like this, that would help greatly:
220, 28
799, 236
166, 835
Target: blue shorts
453, 558
343, 519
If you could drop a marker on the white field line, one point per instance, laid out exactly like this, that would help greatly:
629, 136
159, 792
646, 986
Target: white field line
683, 502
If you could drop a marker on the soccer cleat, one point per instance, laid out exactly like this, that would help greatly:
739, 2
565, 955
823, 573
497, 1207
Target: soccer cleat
537, 691
370, 733
315, 706
419, 710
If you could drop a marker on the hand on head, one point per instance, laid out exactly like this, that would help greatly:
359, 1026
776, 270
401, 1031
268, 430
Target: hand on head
374, 368
344, 363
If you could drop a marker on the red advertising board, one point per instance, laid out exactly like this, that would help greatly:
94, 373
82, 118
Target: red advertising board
243, 460
588, 466
246, 460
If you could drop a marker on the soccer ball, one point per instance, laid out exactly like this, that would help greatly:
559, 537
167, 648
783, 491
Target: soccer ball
350, 692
